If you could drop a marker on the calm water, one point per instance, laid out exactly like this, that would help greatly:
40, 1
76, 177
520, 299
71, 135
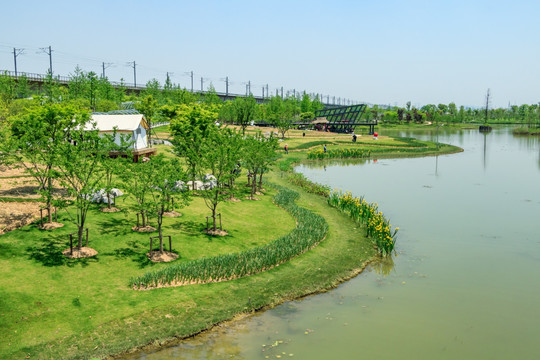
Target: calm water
465, 283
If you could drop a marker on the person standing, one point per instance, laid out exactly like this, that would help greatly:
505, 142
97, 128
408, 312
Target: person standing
286, 149
325, 148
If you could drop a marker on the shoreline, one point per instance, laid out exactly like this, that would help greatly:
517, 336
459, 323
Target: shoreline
337, 281
217, 304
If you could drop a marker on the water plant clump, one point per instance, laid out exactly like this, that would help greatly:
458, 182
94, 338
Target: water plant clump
310, 186
320, 154
378, 227
310, 230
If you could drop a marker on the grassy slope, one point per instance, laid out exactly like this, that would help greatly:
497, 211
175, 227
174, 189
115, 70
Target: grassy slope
83, 308
44, 296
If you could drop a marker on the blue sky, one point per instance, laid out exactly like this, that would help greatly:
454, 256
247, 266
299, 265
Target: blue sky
381, 52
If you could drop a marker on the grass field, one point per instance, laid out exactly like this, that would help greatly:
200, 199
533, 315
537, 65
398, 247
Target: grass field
52, 307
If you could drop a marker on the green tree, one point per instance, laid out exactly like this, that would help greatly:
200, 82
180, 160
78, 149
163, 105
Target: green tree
190, 128
37, 137
245, 109
305, 104
220, 154
162, 188
78, 166
148, 106
211, 97
136, 178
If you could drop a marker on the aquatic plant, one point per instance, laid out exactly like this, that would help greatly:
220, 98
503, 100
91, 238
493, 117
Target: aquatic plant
378, 227
338, 154
310, 186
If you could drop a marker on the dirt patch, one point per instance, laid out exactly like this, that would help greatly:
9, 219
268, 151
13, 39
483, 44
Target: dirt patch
166, 256
14, 215
143, 228
51, 226
24, 187
84, 252
7, 171
172, 214
252, 198
233, 199
216, 232
110, 210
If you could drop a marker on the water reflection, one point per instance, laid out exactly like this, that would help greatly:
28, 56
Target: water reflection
383, 265
462, 287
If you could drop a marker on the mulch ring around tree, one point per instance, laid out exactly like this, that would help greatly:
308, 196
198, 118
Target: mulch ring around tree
252, 198
172, 214
233, 199
146, 228
165, 256
84, 252
216, 232
50, 226
110, 210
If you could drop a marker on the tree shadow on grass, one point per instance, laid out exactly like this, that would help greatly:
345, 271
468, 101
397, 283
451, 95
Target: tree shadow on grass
189, 227
115, 226
48, 252
135, 251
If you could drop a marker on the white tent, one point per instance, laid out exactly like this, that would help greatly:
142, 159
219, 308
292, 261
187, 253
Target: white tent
133, 125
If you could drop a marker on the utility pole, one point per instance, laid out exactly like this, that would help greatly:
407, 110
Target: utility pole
263, 92
105, 66
16, 52
267, 93
249, 87
192, 81
226, 87
48, 51
134, 66
282, 93
202, 82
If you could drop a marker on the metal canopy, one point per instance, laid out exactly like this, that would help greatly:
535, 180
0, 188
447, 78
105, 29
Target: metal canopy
344, 119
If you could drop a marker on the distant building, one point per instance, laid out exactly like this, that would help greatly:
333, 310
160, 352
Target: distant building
133, 125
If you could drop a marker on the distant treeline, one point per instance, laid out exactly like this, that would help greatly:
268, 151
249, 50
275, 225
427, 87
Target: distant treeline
91, 91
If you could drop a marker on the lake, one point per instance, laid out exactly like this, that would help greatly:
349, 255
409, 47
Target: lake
464, 282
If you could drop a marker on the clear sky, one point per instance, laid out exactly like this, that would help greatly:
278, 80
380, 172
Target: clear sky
380, 52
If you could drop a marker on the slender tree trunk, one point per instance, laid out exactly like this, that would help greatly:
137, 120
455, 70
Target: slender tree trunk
254, 185
260, 180
214, 217
143, 218
160, 234
49, 194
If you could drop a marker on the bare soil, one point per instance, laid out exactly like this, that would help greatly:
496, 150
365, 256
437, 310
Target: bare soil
110, 210
165, 256
16, 214
143, 228
216, 232
51, 226
85, 252
172, 214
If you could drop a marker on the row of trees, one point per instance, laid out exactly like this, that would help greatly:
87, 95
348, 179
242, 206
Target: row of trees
524, 114
98, 94
58, 145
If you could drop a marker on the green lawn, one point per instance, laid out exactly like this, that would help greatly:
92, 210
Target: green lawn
52, 307
44, 296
